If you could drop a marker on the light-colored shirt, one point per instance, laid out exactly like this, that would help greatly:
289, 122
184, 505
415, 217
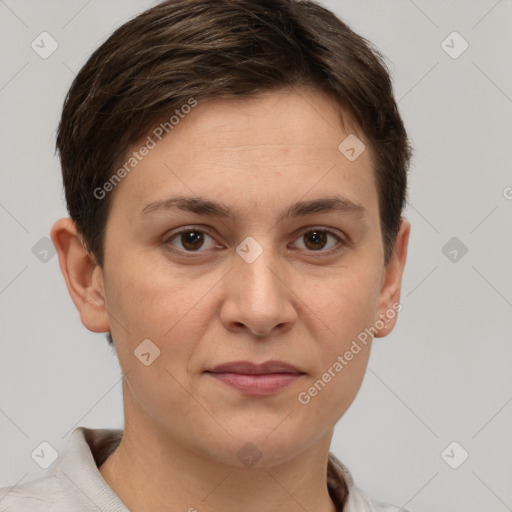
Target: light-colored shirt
74, 484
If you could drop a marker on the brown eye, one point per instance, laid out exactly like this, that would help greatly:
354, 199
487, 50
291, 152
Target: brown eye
318, 240
315, 240
191, 240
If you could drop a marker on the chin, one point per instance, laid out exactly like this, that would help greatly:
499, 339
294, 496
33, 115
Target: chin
264, 445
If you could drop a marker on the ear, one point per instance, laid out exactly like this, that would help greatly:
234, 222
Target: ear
84, 278
389, 301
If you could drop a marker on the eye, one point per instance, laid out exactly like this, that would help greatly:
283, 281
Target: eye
191, 240
197, 240
317, 239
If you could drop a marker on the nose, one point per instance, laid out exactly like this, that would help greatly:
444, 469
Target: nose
259, 297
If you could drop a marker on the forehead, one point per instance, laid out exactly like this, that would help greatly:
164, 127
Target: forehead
270, 147
280, 120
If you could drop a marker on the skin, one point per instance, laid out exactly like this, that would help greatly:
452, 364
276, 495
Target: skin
297, 302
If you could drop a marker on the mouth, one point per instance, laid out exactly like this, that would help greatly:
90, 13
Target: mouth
256, 379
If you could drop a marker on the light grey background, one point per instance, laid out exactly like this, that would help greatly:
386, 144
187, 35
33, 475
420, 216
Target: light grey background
443, 375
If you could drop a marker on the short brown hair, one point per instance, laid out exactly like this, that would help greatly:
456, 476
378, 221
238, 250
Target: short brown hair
182, 49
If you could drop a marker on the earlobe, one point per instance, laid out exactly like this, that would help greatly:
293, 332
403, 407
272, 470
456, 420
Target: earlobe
84, 278
389, 302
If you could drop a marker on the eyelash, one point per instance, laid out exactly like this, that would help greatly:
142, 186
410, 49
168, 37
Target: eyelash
342, 242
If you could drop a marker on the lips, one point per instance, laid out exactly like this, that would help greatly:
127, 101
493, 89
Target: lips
256, 379
248, 368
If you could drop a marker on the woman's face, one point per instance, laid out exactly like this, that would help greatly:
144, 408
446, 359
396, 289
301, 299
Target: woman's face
246, 267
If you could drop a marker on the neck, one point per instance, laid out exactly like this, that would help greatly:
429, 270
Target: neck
150, 471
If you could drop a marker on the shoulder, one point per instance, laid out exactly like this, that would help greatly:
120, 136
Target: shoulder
73, 482
40, 495
354, 498
358, 500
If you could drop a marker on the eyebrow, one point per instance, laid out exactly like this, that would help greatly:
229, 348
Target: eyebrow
201, 206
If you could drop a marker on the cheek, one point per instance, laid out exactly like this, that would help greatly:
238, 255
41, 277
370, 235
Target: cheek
158, 306
162, 304
151, 297
343, 354
349, 305
145, 302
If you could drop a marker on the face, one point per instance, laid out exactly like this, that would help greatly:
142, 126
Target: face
274, 252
